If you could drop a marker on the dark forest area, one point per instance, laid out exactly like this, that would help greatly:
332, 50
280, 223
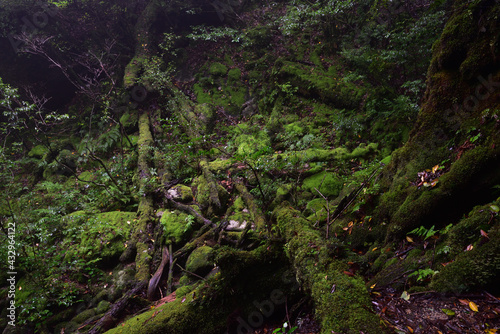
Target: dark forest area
250, 166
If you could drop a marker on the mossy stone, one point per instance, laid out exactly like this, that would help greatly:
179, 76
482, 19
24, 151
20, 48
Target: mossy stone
102, 235
250, 144
327, 183
85, 315
102, 307
181, 193
479, 267
234, 75
38, 151
201, 261
218, 69
176, 226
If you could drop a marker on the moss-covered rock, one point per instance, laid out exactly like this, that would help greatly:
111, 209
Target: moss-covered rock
87, 314
479, 267
327, 183
103, 235
248, 144
102, 307
218, 69
201, 261
181, 193
177, 226
38, 151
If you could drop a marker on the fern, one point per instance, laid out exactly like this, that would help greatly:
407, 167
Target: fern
109, 139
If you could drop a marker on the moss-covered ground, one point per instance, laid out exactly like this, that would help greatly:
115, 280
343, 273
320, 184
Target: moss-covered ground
297, 161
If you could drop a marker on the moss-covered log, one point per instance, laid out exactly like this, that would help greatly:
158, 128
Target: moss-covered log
145, 211
256, 213
342, 303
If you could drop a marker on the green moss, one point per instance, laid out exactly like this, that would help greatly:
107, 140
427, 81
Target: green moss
249, 144
327, 85
233, 76
182, 291
102, 307
345, 310
102, 235
132, 71
201, 261
87, 314
177, 226
182, 193
38, 151
205, 116
218, 69
327, 183
477, 268
468, 229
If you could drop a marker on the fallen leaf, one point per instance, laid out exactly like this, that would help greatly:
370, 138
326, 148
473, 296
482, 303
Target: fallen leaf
473, 307
410, 329
373, 286
409, 239
435, 168
469, 248
484, 234
373, 250
464, 302
494, 208
448, 312
405, 296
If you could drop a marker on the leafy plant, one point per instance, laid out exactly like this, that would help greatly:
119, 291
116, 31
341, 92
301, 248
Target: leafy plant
422, 274
285, 329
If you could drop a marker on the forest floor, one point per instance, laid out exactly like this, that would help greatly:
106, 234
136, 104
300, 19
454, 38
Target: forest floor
426, 313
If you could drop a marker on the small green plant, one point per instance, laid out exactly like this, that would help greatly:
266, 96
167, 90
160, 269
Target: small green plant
285, 329
189, 223
428, 233
422, 274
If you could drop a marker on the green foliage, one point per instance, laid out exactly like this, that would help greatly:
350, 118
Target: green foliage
422, 274
427, 233
214, 34
177, 226
285, 329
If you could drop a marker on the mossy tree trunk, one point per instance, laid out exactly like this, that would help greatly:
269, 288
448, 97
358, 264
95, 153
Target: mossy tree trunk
342, 302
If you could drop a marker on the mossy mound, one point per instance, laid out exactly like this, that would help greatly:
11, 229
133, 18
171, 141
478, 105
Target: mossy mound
327, 85
200, 261
102, 235
250, 144
218, 69
328, 184
177, 226
38, 152
181, 193
474, 269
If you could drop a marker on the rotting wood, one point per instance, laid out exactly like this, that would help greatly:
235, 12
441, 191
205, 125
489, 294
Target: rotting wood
155, 280
110, 318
